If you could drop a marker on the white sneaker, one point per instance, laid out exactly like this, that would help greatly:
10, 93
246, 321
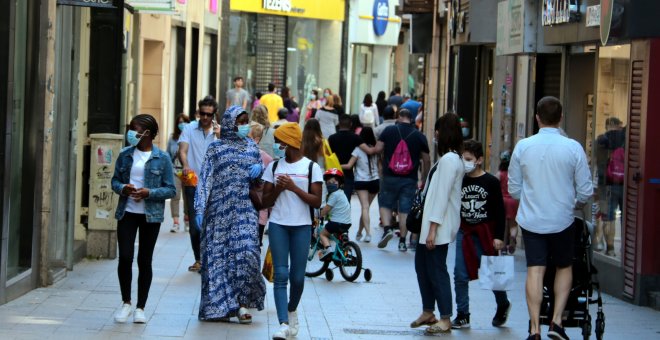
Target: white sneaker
294, 326
283, 333
139, 316
175, 228
123, 313
367, 239
358, 237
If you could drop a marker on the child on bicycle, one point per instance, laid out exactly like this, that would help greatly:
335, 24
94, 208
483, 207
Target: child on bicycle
337, 207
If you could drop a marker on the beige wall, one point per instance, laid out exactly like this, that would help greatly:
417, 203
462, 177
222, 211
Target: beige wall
330, 54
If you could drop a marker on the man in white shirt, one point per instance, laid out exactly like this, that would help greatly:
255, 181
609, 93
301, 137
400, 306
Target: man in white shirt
550, 176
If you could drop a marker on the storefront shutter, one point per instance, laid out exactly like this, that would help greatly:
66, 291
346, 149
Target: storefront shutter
271, 51
633, 164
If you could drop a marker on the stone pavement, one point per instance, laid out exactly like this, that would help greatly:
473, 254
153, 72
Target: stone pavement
82, 305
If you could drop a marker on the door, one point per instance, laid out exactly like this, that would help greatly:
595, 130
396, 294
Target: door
362, 74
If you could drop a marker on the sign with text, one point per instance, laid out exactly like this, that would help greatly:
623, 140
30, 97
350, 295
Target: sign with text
593, 16
510, 27
89, 3
278, 5
560, 12
324, 10
381, 14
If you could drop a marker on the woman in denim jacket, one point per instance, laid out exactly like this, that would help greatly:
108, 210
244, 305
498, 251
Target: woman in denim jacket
143, 180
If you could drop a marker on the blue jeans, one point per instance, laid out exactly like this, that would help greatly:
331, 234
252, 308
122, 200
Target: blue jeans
288, 241
433, 278
462, 280
194, 233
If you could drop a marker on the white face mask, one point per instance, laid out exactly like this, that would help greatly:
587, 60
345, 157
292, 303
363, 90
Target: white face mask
469, 166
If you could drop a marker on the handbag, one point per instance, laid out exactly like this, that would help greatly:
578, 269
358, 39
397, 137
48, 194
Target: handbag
414, 219
268, 271
496, 272
331, 159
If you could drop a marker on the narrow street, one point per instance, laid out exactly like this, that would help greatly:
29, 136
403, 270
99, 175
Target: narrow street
82, 305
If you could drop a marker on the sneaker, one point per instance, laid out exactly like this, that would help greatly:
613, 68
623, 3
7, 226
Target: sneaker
387, 236
293, 323
501, 315
367, 239
175, 228
402, 245
326, 254
123, 313
283, 333
557, 332
358, 237
139, 316
462, 320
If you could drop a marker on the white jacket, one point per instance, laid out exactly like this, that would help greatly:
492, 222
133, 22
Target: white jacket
443, 200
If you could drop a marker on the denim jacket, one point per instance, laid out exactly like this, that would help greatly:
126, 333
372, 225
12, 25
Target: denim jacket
158, 178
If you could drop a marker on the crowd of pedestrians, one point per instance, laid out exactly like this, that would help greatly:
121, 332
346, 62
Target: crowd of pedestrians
266, 169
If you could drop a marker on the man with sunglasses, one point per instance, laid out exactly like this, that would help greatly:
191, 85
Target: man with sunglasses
193, 143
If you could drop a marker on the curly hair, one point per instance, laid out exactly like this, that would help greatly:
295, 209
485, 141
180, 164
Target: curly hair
260, 115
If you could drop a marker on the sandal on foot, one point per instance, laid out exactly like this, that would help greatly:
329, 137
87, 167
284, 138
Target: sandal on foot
423, 321
442, 326
195, 267
244, 316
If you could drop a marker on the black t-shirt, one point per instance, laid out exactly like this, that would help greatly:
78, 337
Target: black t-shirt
415, 140
343, 143
482, 201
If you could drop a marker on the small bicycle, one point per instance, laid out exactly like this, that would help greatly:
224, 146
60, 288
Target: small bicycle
347, 256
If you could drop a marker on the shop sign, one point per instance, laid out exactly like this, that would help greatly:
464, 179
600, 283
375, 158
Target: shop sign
278, 5
381, 16
510, 27
606, 10
560, 12
89, 3
324, 10
593, 16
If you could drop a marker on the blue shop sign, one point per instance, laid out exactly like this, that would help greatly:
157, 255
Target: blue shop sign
381, 16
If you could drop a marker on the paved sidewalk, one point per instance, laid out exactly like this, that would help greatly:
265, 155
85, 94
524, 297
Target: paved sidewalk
82, 305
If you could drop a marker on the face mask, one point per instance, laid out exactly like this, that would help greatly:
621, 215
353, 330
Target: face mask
277, 152
312, 97
132, 139
332, 187
465, 131
182, 126
326, 94
469, 166
243, 130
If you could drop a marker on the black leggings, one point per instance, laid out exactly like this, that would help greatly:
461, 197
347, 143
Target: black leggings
127, 229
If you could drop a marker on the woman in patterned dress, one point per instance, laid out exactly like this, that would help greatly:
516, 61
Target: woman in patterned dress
231, 277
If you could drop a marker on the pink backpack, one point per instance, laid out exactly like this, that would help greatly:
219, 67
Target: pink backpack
401, 163
616, 167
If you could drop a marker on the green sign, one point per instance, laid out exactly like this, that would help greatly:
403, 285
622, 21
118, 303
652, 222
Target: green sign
606, 9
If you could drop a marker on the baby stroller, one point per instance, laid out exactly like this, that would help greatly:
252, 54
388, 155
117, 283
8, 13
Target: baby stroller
585, 282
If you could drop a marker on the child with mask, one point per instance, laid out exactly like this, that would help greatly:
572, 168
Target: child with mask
481, 233
337, 207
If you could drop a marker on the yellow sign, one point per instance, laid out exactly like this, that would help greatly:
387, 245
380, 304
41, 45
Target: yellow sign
309, 9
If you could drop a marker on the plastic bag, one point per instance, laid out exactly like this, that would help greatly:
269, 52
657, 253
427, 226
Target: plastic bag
496, 273
331, 160
268, 271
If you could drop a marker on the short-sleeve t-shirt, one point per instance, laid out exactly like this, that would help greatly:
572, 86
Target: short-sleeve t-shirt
415, 140
137, 179
289, 209
273, 102
343, 143
237, 97
341, 208
364, 171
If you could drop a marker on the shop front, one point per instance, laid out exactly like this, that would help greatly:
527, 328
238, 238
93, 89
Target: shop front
293, 43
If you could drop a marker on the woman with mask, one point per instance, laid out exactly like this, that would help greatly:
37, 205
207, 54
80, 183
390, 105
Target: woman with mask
313, 104
328, 118
173, 150
293, 188
230, 252
143, 180
440, 222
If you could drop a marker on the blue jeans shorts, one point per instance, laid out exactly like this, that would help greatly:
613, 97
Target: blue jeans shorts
397, 189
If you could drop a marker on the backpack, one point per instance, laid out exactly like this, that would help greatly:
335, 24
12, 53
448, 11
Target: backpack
616, 166
368, 117
401, 163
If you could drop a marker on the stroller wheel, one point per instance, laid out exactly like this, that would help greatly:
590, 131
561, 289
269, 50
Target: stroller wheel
600, 326
586, 330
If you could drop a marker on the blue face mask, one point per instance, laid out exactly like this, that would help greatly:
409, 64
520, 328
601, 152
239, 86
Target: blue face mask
277, 152
332, 187
182, 126
243, 130
132, 139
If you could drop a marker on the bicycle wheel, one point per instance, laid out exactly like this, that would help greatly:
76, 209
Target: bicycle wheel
315, 267
351, 266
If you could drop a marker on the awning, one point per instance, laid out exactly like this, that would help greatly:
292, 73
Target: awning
151, 6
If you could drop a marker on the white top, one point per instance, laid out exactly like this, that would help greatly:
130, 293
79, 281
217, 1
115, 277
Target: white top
547, 173
198, 142
289, 209
364, 172
341, 208
369, 115
443, 200
137, 179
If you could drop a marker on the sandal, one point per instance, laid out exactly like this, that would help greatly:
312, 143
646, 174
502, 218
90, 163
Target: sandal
423, 322
244, 316
442, 326
195, 267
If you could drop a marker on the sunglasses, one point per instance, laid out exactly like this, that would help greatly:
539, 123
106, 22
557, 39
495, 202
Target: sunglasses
208, 114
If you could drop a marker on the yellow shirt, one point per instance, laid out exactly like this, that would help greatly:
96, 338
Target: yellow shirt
273, 103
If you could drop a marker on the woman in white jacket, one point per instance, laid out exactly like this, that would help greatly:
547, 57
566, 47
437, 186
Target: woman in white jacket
440, 223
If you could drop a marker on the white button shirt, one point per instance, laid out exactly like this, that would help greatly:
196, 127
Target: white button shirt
547, 173
198, 142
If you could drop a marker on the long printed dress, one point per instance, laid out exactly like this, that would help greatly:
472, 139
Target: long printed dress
230, 252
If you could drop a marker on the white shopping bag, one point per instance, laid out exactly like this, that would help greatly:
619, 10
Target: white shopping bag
496, 273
